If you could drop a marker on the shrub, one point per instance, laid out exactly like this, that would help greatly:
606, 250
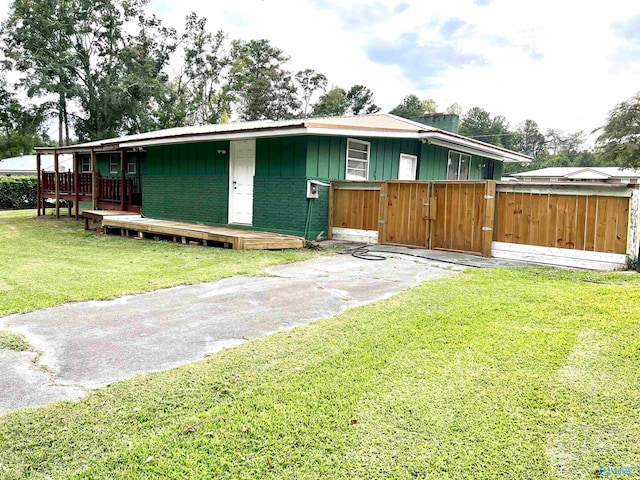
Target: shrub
18, 193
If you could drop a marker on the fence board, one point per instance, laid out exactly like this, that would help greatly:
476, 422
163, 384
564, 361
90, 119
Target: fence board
451, 215
356, 209
577, 222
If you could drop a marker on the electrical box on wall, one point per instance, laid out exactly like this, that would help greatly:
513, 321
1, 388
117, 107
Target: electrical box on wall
312, 189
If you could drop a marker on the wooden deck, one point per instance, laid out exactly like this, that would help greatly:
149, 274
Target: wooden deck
187, 232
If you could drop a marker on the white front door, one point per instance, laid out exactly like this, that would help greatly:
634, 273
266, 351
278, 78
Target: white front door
407, 168
242, 167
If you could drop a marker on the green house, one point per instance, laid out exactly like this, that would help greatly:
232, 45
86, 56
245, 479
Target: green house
273, 176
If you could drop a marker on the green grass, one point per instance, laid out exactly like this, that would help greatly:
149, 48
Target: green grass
49, 262
527, 374
13, 341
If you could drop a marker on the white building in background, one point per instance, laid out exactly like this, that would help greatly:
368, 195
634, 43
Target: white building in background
25, 165
581, 174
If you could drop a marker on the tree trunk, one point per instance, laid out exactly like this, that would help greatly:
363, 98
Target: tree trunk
60, 122
66, 121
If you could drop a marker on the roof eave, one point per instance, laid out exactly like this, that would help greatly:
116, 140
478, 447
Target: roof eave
474, 147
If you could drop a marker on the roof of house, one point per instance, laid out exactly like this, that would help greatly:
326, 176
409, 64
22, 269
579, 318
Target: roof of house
580, 173
27, 165
376, 125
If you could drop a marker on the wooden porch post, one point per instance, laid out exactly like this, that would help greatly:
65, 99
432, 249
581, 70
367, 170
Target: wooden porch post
56, 167
123, 184
94, 179
76, 181
489, 220
38, 186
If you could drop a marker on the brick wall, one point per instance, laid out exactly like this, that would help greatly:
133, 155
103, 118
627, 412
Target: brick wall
188, 198
281, 204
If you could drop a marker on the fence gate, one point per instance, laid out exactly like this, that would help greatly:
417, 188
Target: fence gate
405, 218
439, 215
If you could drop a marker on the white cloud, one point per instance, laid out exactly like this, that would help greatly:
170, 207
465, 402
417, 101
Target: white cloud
563, 63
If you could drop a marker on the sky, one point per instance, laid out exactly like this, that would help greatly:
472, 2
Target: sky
563, 63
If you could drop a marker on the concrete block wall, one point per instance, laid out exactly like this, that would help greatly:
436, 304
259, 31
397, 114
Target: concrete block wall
187, 198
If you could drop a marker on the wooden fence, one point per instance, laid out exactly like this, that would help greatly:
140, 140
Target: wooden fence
595, 223
574, 220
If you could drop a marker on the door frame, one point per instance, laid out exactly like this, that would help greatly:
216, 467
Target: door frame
231, 197
414, 160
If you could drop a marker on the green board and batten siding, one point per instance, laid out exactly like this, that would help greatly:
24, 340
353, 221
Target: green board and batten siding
190, 182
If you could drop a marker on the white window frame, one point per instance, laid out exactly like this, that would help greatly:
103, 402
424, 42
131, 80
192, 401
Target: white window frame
351, 176
85, 165
112, 159
131, 168
414, 169
458, 160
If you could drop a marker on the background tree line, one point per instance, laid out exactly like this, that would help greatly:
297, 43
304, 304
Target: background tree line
104, 68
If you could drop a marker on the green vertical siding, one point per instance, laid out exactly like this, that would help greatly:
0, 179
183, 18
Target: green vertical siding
281, 157
497, 172
433, 162
327, 156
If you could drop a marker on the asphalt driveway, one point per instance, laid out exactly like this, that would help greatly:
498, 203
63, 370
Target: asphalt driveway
91, 344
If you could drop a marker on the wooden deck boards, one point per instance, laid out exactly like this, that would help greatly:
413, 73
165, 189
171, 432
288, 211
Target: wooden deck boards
237, 238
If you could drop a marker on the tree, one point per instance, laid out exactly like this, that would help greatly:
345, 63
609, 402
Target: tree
619, 142
36, 38
332, 104
21, 128
198, 94
310, 82
105, 54
454, 109
529, 140
413, 107
360, 100
336, 102
479, 124
260, 85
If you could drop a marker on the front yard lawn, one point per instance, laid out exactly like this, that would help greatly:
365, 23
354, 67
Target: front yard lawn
47, 262
512, 374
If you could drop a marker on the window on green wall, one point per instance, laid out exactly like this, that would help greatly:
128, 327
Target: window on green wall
458, 166
131, 167
114, 163
85, 165
357, 159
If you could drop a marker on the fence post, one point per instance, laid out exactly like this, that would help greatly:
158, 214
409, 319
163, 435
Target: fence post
382, 213
633, 246
330, 226
489, 220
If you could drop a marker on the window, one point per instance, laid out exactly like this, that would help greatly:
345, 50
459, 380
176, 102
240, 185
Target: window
85, 164
131, 167
357, 160
114, 164
458, 166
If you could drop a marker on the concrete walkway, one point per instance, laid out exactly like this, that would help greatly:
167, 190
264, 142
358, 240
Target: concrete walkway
91, 344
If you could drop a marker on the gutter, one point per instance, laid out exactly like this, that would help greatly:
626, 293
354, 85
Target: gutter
473, 147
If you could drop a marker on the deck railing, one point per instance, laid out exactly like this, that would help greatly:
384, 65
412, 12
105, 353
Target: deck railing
67, 183
110, 189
